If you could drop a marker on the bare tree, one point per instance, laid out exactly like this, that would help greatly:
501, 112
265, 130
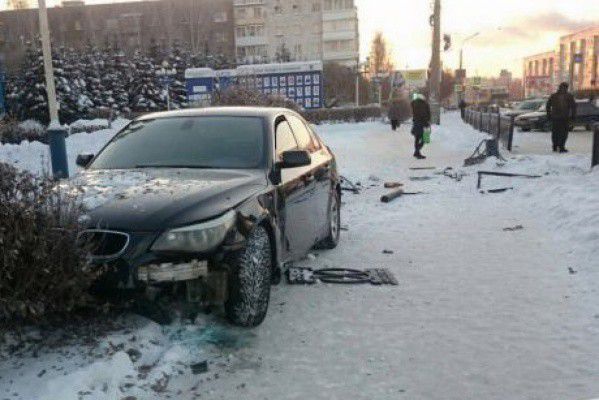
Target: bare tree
380, 55
18, 4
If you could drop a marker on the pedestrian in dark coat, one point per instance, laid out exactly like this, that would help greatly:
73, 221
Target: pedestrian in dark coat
561, 110
395, 114
463, 106
421, 117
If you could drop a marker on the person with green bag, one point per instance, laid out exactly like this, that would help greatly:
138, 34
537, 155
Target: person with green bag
421, 124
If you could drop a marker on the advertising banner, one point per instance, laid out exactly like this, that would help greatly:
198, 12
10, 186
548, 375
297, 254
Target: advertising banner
301, 82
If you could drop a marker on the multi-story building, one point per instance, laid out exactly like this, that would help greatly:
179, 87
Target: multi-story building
540, 74
575, 61
204, 25
579, 59
251, 39
281, 30
340, 35
250, 31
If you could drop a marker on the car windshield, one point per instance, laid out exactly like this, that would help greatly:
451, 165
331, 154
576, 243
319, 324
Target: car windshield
530, 105
186, 142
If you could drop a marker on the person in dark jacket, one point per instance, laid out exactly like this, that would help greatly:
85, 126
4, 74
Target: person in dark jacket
421, 117
561, 109
395, 114
463, 106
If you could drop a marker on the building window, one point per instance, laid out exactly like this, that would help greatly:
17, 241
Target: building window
220, 16
315, 7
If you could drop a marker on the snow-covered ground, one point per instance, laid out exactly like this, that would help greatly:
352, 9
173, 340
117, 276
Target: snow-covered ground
480, 313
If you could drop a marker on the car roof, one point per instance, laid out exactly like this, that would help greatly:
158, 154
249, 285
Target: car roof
262, 112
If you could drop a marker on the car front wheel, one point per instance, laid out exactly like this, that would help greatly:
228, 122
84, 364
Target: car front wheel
334, 225
249, 281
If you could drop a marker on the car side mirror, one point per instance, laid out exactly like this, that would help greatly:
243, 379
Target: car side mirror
295, 159
83, 160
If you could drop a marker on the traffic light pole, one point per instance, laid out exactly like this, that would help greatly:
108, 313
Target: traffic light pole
435, 79
56, 133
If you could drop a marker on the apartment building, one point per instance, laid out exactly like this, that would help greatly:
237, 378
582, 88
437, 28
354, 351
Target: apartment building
204, 25
296, 30
579, 59
340, 34
575, 60
540, 74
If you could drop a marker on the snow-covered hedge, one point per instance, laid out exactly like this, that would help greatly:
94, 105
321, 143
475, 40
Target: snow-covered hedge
43, 270
345, 114
14, 132
240, 96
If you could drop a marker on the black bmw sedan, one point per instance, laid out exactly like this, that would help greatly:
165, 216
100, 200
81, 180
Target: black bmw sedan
210, 202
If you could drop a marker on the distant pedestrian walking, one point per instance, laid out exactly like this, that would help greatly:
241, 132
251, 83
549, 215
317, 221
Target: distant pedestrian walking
421, 117
395, 114
561, 110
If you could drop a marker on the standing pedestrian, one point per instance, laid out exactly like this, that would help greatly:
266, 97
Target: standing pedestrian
561, 110
463, 106
395, 114
421, 117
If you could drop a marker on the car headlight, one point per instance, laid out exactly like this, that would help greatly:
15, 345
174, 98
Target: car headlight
196, 238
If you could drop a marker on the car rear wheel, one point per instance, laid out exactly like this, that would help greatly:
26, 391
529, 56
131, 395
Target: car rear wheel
334, 226
249, 281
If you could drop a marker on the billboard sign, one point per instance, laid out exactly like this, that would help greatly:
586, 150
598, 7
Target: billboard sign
415, 78
301, 82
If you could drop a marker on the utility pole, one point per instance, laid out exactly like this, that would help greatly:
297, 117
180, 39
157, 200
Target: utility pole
56, 133
435, 79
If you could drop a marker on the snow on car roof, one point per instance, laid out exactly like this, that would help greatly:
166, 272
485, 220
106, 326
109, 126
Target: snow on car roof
219, 111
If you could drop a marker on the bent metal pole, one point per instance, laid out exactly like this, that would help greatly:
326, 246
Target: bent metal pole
56, 133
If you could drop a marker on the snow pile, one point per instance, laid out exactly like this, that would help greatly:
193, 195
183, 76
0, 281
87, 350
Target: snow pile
89, 125
33, 126
101, 380
35, 156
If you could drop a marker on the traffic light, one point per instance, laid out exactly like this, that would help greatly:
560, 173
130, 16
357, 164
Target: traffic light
447, 41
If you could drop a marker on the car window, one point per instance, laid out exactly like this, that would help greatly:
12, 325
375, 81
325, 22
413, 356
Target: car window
305, 139
284, 138
186, 142
586, 109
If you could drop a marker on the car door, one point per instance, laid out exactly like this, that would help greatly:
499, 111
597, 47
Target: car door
296, 193
320, 171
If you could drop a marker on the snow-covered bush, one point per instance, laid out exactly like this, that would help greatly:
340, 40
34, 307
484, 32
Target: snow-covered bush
44, 271
345, 114
241, 96
14, 132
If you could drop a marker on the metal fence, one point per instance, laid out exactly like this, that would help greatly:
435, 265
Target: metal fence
595, 159
500, 126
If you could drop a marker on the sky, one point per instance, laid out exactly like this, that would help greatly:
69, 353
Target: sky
509, 29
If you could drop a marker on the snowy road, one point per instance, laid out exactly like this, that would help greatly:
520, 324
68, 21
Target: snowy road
480, 313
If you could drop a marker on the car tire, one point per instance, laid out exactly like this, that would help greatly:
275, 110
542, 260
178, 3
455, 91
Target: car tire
334, 226
249, 281
525, 129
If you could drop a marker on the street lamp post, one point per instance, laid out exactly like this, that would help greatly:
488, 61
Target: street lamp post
56, 133
435, 79
462, 76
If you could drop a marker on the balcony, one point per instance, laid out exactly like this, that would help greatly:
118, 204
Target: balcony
251, 41
339, 35
334, 15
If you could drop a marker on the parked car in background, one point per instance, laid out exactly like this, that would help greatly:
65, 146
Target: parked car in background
211, 203
526, 106
587, 114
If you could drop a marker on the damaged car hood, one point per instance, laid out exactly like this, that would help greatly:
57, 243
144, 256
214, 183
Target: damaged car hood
154, 199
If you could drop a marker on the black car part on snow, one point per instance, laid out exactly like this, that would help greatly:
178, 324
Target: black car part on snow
346, 276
